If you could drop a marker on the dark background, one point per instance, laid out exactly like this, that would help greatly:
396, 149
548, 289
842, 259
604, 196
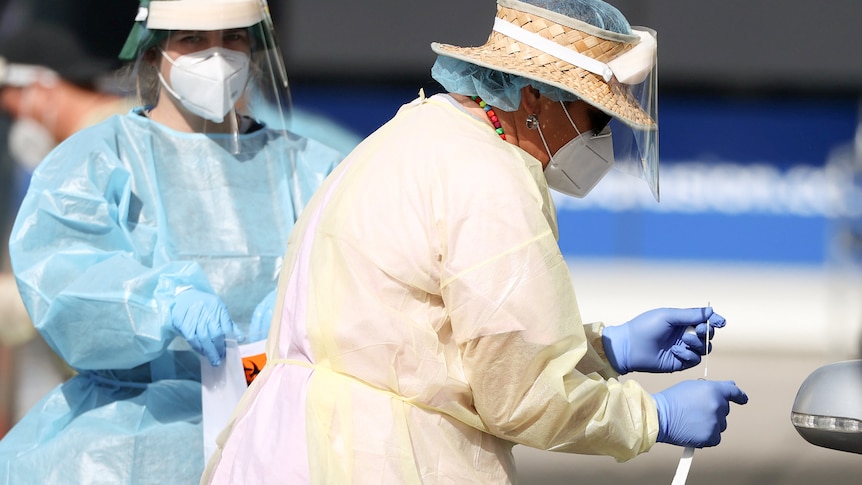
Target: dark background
773, 81
741, 45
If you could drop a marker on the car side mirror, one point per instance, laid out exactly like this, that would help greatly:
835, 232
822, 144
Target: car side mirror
827, 411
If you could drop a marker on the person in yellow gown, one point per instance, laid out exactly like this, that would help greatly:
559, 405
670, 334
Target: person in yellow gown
426, 321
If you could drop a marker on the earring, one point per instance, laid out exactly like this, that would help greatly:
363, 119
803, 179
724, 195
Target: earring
532, 122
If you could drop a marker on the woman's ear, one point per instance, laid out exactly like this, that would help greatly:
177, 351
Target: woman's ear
530, 99
151, 55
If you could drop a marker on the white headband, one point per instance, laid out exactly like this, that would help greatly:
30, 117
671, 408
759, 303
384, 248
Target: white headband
630, 67
201, 14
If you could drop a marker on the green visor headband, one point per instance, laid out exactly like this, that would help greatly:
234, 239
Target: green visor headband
157, 17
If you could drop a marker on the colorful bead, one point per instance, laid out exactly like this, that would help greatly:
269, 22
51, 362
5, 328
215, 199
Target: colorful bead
492, 116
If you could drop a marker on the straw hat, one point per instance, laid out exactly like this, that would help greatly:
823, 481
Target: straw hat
505, 54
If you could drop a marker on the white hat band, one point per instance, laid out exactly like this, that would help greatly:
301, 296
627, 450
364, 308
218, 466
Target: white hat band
630, 67
203, 14
536, 41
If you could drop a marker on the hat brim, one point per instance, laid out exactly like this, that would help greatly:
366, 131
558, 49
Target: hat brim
504, 54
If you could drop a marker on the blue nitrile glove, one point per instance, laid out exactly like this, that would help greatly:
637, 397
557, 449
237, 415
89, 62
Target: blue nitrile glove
262, 318
656, 341
202, 319
694, 413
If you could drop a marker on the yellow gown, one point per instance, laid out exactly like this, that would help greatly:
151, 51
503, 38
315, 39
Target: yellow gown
426, 323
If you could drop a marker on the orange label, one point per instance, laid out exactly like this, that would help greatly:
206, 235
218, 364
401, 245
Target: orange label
253, 365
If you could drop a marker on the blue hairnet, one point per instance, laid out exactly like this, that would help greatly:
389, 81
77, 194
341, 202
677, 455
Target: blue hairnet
594, 12
503, 90
499, 89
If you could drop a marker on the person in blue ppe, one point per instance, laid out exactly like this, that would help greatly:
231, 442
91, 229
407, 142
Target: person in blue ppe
146, 240
425, 318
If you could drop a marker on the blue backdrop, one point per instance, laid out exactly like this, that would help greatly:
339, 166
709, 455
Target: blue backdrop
744, 178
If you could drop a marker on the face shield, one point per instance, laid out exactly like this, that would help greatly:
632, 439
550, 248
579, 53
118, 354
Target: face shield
214, 62
635, 75
624, 87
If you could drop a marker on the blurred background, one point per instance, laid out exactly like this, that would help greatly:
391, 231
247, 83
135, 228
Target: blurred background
761, 185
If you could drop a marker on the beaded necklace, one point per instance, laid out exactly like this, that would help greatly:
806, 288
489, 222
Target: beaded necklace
491, 115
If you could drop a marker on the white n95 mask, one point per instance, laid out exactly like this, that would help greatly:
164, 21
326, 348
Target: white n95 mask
209, 82
29, 142
579, 164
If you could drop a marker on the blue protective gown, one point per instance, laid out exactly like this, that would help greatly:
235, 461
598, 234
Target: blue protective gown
115, 220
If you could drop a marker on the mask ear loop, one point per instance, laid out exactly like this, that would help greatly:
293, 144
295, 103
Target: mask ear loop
570, 119
162, 80
534, 120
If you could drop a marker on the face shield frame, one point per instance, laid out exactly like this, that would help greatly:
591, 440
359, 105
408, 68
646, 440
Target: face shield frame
635, 75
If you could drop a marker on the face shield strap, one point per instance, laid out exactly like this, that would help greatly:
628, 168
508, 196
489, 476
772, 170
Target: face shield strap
630, 67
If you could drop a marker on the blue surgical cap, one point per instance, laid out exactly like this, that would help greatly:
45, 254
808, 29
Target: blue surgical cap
594, 12
503, 90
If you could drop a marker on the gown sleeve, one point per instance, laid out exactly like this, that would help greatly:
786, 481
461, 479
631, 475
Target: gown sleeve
535, 373
83, 260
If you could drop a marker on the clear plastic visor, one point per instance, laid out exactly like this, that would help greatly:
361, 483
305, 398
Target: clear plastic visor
636, 147
228, 80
